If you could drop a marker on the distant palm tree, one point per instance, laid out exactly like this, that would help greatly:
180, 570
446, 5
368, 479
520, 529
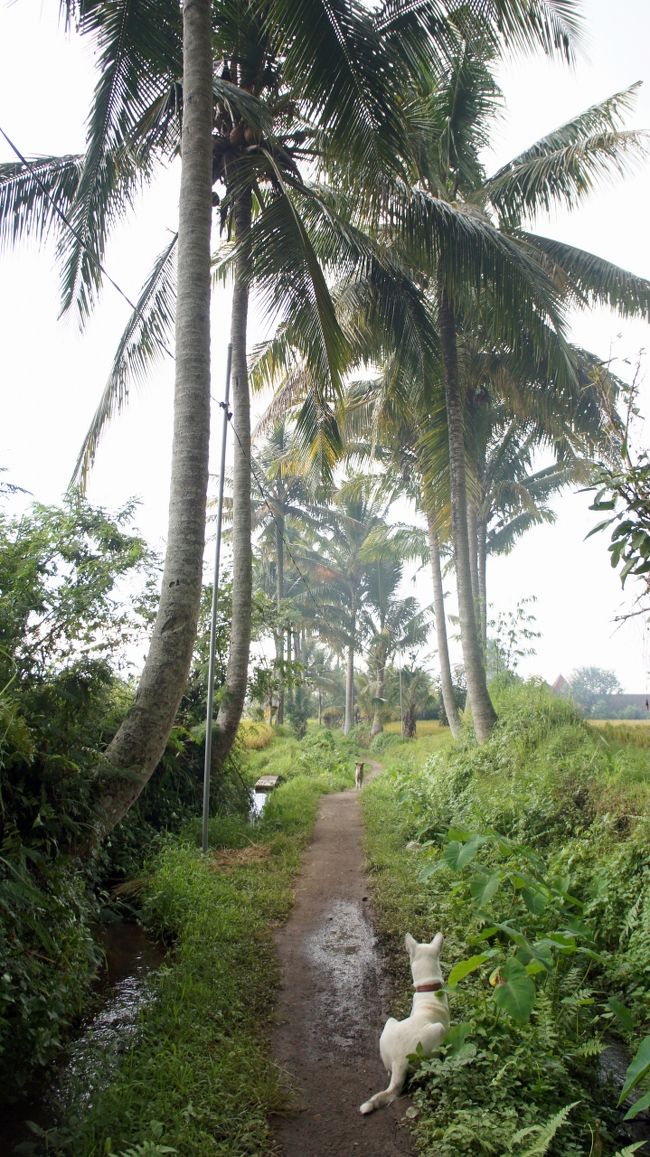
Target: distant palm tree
398, 624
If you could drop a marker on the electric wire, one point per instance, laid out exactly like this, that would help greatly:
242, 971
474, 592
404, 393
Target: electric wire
78, 237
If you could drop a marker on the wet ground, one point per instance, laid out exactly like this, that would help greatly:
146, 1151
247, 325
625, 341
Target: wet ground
123, 988
334, 1002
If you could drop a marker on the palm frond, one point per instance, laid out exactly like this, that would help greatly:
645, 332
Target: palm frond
143, 342
593, 280
565, 165
35, 194
139, 50
334, 60
504, 539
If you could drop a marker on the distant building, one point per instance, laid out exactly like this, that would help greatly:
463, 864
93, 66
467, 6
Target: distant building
615, 706
561, 686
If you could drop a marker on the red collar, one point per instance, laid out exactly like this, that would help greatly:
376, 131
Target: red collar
432, 986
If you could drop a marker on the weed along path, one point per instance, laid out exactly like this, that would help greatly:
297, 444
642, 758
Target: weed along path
334, 1001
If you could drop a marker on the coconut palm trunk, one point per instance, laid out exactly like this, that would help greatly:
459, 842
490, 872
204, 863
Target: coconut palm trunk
483, 713
446, 681
279, 595
377, 725
349, 675
141, 739
482, 579
232, 704
473, 557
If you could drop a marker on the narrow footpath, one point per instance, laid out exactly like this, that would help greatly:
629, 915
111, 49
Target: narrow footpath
334, 1002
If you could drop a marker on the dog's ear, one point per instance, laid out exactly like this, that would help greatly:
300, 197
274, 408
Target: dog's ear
437, 943
410, 944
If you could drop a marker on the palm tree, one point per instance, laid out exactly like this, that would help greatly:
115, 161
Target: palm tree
397, 624
140, 741
415, 693
468, 230
286, 489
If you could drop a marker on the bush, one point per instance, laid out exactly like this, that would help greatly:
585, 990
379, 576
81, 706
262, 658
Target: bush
254, 735
48, 959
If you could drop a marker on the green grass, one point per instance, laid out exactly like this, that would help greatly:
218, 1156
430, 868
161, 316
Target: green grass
199, 1079
422, 727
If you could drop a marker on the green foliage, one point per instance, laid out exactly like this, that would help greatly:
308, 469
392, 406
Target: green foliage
199, 1078
529, 858
511, 634
64, 624
48, 958
638, 1070
626, 491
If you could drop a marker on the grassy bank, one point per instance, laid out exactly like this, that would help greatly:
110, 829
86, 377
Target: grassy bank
199, 1080
533, 858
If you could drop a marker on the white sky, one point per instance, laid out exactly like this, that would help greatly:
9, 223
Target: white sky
52, 376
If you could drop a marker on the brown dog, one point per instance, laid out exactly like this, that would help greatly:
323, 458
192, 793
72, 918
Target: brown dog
358, 776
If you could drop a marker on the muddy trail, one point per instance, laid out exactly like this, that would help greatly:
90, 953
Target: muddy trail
334, 1001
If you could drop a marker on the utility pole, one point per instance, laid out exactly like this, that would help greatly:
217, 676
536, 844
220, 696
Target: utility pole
213, 613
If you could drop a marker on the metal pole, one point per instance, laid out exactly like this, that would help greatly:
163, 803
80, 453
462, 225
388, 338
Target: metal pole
401, 714
213, 614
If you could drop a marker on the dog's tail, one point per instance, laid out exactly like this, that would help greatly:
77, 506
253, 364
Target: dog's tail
397, 1078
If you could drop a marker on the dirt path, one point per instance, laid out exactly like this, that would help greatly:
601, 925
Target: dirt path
334, 1002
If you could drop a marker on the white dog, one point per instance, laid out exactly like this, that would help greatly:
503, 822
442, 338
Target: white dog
426, 1026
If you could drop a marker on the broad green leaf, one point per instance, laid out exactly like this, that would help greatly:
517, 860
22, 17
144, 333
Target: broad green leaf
469, 850
534, 967
637, 1069
486, 934
483, 887
464, 967
516, 936
622, 1013
638, 1107
456, 1037
516, 995
534, 899
451, 853
542, 952
565, 941
459, 835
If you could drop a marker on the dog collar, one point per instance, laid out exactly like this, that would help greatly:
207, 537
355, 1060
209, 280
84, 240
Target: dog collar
432, 986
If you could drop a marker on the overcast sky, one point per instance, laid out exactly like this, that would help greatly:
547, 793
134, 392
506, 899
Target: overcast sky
52, 376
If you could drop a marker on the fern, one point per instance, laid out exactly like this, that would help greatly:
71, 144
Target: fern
590, 1048
631, 919
545, 1133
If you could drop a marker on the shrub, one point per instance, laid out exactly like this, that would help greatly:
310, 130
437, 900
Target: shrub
254, 735
533, 859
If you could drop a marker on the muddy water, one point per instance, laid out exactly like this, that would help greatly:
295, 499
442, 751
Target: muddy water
343, 955
123, 989
612, 1067
126, 986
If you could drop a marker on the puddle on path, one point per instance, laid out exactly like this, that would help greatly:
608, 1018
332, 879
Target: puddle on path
345, 962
